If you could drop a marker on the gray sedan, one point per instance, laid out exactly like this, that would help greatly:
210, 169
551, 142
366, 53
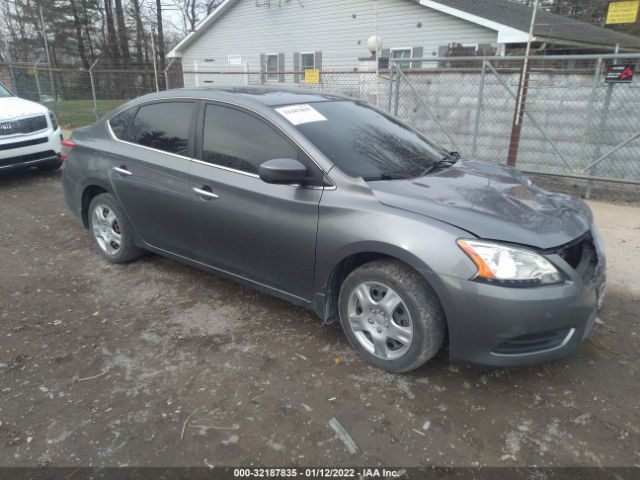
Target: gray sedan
332, 204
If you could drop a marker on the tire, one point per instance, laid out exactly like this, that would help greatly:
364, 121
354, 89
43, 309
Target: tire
378, 329
111, 231
51, 166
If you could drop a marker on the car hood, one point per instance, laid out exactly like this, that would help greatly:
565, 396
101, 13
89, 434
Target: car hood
491, 202
14, 107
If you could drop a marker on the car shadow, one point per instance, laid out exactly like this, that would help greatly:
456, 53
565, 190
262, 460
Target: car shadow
27, 175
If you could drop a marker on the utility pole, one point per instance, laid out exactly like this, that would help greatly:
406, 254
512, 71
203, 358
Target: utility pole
523, 87
155, 66
46, 50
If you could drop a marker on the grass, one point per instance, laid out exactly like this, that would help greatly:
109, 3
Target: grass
76, 113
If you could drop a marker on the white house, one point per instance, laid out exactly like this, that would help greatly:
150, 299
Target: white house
277, 36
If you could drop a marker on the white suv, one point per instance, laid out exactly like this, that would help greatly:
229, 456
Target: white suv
29, 134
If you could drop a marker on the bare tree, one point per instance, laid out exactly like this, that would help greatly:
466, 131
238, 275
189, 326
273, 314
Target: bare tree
193, 11
111, 44
160, 45
141, 47
123, 35
77, 24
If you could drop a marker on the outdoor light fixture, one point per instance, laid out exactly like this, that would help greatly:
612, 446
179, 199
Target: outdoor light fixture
374, 44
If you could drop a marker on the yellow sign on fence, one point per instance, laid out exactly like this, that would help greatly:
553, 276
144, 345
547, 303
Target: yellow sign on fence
312, 75
623, 12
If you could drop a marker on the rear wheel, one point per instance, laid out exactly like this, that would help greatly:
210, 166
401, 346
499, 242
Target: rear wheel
391, 316
111, 231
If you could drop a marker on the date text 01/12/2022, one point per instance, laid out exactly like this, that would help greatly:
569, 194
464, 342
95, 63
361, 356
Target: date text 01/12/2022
317, 473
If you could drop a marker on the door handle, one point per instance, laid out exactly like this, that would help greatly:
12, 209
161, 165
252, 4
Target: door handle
122, 171
207, 194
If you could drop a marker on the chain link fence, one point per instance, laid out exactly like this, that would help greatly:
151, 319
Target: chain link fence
555, 116
79, 96
558, 116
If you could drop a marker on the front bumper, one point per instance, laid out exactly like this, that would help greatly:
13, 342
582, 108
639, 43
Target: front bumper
32, 150
501, 326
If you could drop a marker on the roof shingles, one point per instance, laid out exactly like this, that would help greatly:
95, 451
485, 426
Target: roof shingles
547, 25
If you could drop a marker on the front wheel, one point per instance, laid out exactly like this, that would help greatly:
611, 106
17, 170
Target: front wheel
111, 231
391, 316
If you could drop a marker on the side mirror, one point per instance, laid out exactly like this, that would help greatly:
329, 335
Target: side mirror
283, 171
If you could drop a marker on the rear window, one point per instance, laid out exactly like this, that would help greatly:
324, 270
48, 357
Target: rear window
163, 126
120, 123
362, 141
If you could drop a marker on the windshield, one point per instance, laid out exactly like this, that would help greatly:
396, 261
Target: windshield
363, 142
4, 91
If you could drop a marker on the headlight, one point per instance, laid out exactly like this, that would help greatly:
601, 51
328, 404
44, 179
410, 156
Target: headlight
509, 266
54, 120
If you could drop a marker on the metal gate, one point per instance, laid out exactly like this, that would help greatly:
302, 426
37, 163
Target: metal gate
558, 116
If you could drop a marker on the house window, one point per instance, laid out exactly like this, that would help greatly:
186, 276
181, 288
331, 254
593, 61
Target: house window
401, 53
308, 60
461, 50
468, 50
272, 67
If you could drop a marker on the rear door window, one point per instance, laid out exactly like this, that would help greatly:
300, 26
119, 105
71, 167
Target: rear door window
164, 126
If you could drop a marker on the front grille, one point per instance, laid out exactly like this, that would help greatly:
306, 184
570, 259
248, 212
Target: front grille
582, 257
572, 254
23, 125
26, 143
533, 343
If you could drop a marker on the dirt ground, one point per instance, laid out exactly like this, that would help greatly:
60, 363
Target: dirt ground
156, 363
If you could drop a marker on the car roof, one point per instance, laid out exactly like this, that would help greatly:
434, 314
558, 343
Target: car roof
248, 96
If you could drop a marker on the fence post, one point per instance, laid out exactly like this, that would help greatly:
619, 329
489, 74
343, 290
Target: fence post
155, 66
390, 88
592, 104
479, 108
14, 83
166, 74
603, 124
93, 88
46, 49
35, 72
518, 116
397, 96
531, 118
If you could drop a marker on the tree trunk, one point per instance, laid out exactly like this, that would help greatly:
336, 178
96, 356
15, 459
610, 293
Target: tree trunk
112, 84
193, 15
139, 33
160, 45
123, 35
112, 38
86, 22
78, 29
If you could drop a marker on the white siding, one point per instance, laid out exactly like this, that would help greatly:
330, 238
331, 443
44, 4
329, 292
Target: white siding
328, 26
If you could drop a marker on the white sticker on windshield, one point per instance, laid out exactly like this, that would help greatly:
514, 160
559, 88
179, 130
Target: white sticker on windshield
299, 114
